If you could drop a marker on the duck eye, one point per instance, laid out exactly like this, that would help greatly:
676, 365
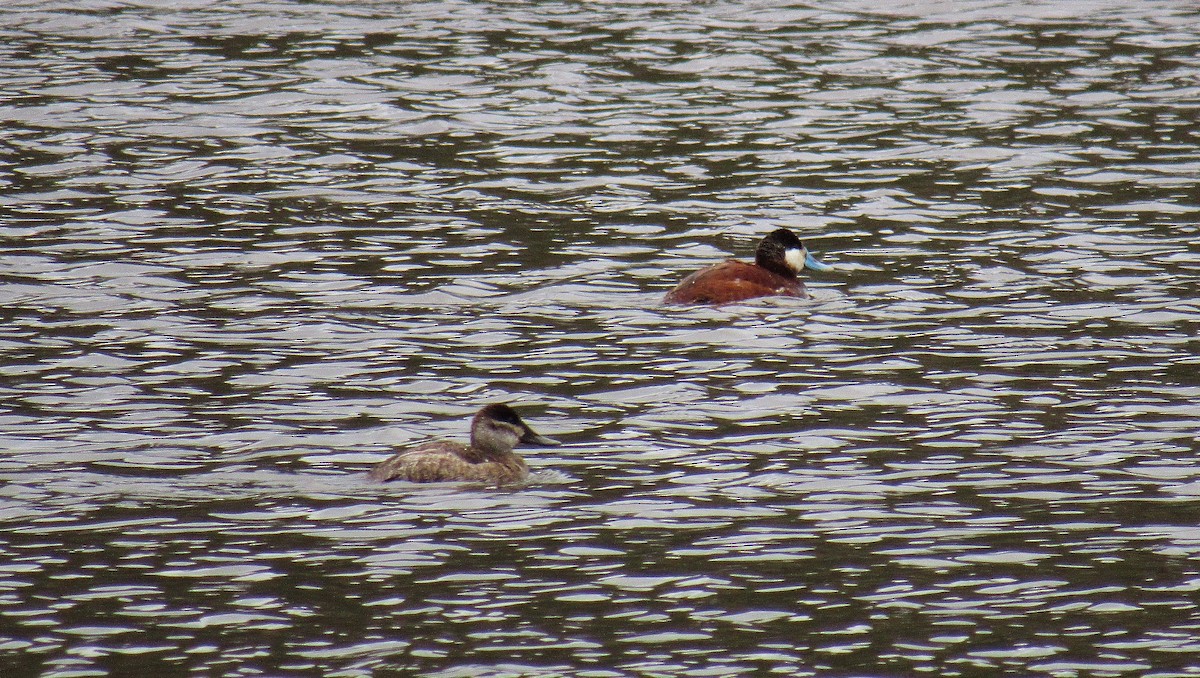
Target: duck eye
505, 427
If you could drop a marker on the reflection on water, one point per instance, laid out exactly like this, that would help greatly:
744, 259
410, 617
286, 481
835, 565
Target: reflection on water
249, 248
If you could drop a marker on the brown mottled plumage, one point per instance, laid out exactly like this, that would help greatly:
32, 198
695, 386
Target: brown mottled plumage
495, 431
778, 258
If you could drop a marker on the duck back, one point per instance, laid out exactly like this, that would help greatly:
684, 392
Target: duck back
731, 281
450, 462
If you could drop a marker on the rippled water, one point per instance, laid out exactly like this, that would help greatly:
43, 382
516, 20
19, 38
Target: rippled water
249, 248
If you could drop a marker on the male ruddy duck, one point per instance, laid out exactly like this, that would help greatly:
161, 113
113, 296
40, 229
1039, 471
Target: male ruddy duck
779, 257
495, 431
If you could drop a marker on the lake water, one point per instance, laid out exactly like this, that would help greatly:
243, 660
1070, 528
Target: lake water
250, 248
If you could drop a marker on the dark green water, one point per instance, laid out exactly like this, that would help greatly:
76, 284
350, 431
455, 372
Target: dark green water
247, 249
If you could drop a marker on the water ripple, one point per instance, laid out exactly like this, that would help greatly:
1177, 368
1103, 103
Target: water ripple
251, 248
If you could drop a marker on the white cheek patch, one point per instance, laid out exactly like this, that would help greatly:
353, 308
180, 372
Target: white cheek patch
795, 259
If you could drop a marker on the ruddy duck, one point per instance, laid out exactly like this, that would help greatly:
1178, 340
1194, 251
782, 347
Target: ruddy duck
495, 431
779, 257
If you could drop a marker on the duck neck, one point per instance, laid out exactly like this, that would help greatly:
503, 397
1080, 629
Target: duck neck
486, 446
775, 266
481, 455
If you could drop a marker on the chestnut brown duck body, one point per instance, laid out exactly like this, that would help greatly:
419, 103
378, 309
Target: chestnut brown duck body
777, 260
489, 458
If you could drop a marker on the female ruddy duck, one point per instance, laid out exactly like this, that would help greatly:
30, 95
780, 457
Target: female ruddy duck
779, 257
495, 431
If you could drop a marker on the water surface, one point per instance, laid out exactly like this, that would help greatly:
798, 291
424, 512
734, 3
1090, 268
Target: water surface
247, 249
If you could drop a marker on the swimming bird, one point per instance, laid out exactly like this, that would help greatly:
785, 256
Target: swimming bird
779, 257
495, 431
